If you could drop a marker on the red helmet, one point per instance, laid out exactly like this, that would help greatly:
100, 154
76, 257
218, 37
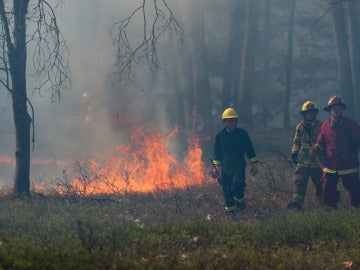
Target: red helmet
335, 100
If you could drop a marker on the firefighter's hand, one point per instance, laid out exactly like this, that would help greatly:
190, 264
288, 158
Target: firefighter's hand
254, 170
315, 151
294, 158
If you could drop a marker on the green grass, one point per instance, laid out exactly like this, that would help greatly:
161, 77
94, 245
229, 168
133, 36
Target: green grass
180, 229
103, 233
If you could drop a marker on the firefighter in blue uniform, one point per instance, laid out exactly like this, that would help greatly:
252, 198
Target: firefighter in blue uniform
232, 144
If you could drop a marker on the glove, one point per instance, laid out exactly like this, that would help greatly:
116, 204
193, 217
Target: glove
315, 150
254, 170
294, 158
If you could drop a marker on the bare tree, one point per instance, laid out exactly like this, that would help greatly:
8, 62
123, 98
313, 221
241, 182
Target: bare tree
289, 57
266, 48
248, 63
201, 84
343, 54
230, 84
158, 20
354, 44
50, 69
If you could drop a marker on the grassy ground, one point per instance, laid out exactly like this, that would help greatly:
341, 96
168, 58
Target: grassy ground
181, 229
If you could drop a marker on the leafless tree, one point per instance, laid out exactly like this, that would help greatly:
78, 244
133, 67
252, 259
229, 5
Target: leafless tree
289, 60
158, 21
50, 68
247, 69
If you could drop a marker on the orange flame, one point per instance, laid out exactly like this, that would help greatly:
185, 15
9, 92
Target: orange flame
144, 165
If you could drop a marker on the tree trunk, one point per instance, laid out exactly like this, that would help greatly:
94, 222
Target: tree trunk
343, 56
265, 110
289, 56
22, 120
202, 96
248, 64
230, 83
354, 26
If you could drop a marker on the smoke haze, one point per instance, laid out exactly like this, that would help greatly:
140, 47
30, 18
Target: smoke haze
79, 125
98, 112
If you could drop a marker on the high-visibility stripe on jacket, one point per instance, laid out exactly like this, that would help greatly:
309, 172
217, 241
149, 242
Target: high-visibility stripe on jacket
341, 172
305, 137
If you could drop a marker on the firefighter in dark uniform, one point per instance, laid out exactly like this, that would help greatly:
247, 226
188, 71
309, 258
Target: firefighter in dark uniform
306, 133
231, 145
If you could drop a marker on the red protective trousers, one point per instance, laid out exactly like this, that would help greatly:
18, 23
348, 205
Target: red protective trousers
351, 183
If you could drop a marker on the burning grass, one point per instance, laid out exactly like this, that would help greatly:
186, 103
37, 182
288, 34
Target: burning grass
181, 227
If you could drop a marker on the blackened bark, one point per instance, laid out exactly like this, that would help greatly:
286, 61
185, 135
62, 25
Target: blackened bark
289, 57
248, 64
22, 120
343, 56
354, 26
230, 84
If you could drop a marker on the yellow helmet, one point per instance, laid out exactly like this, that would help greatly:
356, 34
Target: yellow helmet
229, 113
308, 106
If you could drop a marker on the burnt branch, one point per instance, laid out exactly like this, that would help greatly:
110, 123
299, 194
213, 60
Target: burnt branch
50, 65
6, 45
49, 49
157, 21
331, 3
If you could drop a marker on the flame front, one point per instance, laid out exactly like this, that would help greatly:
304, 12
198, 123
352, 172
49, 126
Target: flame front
144, 165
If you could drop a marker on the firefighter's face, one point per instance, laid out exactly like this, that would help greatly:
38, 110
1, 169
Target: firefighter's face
230, 123
310, 115
336, 111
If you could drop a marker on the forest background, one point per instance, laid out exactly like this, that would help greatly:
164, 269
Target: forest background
264, 58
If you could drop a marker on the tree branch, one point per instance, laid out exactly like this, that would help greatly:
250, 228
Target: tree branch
130, 52
50, 52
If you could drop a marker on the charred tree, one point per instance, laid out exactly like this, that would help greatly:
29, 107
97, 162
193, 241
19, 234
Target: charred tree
231, 72
289, 57
248, 64
265, 93
49, 66
202, 101
354, 44
158, 21
343, 55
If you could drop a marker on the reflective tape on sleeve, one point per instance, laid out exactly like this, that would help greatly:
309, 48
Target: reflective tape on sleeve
217, 162
254, 159
341, 172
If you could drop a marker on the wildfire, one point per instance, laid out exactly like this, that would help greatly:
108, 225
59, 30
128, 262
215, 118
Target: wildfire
143, 165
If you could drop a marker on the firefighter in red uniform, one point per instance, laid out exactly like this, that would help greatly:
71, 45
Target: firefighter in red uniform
305, 136
231, 145
339, 141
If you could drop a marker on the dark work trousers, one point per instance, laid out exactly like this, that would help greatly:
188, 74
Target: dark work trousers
351, 183
301, 178
233, 185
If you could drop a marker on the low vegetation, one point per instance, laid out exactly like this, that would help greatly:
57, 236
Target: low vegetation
180, 229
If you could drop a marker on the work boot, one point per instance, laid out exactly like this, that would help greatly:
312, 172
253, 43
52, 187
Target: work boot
295, 205
230, 209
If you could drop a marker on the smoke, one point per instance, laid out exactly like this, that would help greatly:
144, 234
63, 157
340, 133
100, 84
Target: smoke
98, 113
79, 125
